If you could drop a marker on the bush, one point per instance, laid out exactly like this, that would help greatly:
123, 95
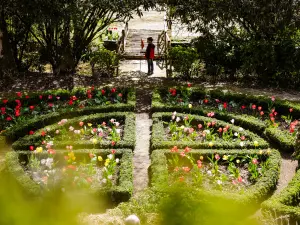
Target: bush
182, 60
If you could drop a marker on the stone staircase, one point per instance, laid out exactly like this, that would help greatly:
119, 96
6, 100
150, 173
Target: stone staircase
133, 43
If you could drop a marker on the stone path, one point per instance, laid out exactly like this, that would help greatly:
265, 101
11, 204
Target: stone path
287, 171
141, 158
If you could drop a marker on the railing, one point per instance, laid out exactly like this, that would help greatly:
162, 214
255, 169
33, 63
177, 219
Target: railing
122, 39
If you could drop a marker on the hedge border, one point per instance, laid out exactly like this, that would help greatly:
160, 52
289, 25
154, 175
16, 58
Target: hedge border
128, 140
266, 184
157, 141
281, 203
121, 192
19, 130
282, 106
246, 121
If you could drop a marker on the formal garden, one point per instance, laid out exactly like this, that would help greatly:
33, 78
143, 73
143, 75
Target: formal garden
215, 140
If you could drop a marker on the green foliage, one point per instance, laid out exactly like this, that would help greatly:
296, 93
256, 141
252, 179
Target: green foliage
254, 194
104, 60
128, 140
158, 140
283, 139
119, 193
256, 38
21, 129
286, 202
183, 59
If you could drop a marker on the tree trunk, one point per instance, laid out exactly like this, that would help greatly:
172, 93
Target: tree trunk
7, 63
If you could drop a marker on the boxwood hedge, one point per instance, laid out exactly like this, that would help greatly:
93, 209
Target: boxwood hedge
158, 140
21, 129
127, 141
283, 140
285, 202
118, 193
282, 106
158, 173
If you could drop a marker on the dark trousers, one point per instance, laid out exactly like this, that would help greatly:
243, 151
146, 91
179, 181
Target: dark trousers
150, 65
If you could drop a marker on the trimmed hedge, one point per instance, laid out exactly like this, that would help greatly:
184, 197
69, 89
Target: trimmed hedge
297, 145
283, 139
282, 106
119, 193
20, 130
158, 174
128, 140
158, 134
286, 202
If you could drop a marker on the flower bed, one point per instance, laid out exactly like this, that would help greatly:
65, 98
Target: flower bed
201, 132
257, 113
246, 176
42, 109
84, 132
285, 203
107, 173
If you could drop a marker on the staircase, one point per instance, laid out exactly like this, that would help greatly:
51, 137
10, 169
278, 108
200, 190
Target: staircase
133, 43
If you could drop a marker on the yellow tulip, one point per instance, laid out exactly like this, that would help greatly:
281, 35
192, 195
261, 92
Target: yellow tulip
100, 158
89, 124
210, 144
39, 149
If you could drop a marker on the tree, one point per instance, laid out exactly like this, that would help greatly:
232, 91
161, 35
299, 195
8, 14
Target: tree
259, 36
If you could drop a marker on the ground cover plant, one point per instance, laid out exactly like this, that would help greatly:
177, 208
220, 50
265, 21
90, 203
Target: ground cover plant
198, 131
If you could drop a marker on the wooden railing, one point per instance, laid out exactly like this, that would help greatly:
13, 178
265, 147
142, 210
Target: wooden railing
122, 39
163, 43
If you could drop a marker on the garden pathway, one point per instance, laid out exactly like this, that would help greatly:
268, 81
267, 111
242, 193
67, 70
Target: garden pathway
141, 157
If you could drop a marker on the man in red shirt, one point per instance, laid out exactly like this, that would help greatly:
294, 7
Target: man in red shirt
150, 54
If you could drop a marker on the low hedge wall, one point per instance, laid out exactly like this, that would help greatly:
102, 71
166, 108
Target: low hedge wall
258, 192
128, 140
119, 193
21, 129
158, 133
282, 139
285, 202
282, 106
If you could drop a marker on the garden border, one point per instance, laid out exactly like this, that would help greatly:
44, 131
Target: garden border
281, 203
158, 174
19, 130
158, 142
121, 192
246, 121
128, 140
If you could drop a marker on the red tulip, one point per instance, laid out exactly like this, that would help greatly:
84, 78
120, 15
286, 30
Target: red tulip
31, 148
4, 101
31, 132
103, 92
113, 151
19, 94
8, 118
291, 110
31, 107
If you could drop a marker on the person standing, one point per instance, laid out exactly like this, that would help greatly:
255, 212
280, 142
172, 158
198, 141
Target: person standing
150, 54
